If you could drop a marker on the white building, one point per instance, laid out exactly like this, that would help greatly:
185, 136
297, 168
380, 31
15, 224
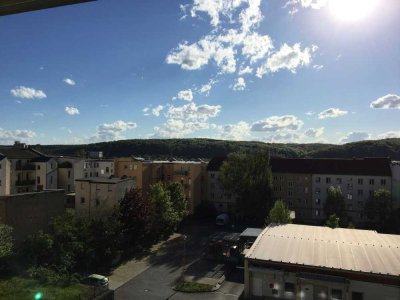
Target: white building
312, 262
395, 166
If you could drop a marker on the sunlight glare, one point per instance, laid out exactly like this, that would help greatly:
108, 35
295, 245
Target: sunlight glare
352, 10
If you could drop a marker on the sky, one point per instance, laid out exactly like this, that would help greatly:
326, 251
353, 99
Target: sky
298, 71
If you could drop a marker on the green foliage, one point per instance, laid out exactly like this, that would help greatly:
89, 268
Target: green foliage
379, 210
249, 176
51, 275
37, 249
179, 202
333, 221
6, 240
351, 225
335, 203
279, 214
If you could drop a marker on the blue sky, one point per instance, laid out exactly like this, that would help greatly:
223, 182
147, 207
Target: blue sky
269, 70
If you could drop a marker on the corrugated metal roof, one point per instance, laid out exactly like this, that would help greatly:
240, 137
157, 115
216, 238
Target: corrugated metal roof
340, 248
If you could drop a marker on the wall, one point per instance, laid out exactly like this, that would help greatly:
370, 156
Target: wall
5, 177
127, 166
30, 212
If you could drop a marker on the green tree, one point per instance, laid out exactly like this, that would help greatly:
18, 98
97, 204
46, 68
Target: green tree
333, 221
37, 249
335, 203
249, 177
165, 218
378, 209
179, 202
6, 240
279, 214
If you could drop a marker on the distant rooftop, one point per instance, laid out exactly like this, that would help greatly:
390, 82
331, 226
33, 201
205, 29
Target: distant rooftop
20, 151
343, 249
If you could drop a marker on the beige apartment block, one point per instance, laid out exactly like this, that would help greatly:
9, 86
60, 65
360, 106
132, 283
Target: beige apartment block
5, 176
130, 167
98, 197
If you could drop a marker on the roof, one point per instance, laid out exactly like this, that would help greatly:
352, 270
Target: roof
215, 163
253, 232
8, 7
112, 180
12, 152
41, 159
342, 249
378, 166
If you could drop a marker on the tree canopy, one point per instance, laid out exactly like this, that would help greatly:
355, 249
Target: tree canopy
335, 203
6, 240
279, 214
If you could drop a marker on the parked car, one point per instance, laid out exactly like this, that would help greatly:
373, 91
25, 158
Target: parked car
96, 280
222, 219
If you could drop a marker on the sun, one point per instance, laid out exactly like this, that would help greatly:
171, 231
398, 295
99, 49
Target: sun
352, 10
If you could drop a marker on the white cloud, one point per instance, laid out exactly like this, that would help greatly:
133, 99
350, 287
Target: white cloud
22, 135
314, 132
157, 110
278, 123
256, 46
69, 81
354, 137
206, 88
27, 93
239, 84
251, 16
332, 113
237, 132
310, 113
314, 4
287, 57
214, 8
245, 70
189, 57
146, 111
112, 131
389, 135
389, 101
186, 95
193, 112
318, 67
71, 110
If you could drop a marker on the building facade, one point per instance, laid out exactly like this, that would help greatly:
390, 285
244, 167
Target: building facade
98, 197
312, 262
130, 167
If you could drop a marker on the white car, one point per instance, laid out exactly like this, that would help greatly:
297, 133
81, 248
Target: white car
96, 280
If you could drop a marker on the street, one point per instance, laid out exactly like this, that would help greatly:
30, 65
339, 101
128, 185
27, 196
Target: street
166, 267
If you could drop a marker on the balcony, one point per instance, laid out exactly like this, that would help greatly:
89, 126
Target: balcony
25, 182
26, 167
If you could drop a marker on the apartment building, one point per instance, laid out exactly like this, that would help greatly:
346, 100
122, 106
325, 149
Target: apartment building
223, 201
130, 167
395, 168
316, 263
25, 170
97, 196
358, 179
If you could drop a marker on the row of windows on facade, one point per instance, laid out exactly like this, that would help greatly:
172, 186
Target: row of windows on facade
327, 180
109, 187
131, 167
83, 201
96, 173
94, 165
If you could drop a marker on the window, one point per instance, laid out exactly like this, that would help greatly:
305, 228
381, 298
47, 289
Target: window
212, 175
109, 188
51, 166
97, 202
69, 174
349, 186
338, 180
328, 180
357, 296
108, 169
349, 197
290, 193
82, 186
317, 201
360, 192
289, 287
306, 190
360, 181
275, 178
0, 166
0, 182
317, 190
317, 212
371, 181
336, 294
383, 181
212, 196
51, 179
134, 167
82, 200
125, 167
69, 188
371, 193
318, 179
38, 167
38, 180
97, 187
86, 175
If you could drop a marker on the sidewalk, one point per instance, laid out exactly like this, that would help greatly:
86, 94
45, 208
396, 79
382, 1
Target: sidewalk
134, 267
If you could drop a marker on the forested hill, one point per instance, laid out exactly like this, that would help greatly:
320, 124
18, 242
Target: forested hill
207, 148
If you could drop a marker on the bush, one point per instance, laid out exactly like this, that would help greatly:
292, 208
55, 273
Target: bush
52, 275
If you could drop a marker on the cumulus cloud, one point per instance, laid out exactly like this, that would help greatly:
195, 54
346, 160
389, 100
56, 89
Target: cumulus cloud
245, 70
314, 132
206, 88
186, 95
27, 93
389, 135
389, 101
317, 67
157, 110
287, 57
354, 137
332, 113
112, 131
71, 110
278, 123
239, 84
237, 132
69, 81
256, 46
314, 4
9, 136
193, 112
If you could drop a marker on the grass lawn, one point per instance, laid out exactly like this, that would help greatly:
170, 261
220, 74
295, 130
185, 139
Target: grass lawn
193, 287
18, 288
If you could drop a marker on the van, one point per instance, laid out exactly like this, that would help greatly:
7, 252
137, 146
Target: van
222, 219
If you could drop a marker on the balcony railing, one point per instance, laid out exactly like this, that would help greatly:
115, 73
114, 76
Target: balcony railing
25, 182
26, 167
